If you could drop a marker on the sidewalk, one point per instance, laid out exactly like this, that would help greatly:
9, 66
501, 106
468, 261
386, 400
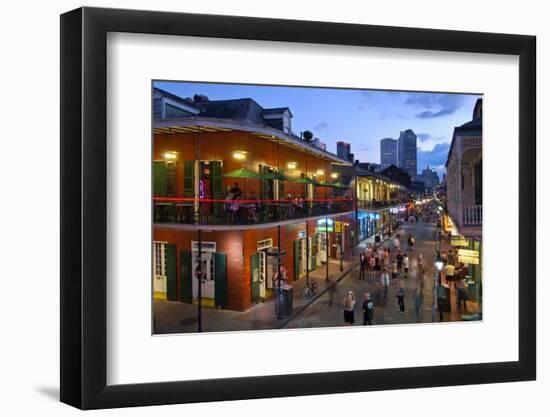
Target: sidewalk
176, 317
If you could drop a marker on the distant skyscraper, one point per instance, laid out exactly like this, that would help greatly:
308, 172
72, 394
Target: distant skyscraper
406, 152
343, 150
388, 152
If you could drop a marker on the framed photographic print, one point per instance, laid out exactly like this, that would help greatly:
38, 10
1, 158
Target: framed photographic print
257, 208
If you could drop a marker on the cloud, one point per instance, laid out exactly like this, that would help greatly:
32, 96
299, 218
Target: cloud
409, 105
435, 158
430, 105
320, 126
423, 137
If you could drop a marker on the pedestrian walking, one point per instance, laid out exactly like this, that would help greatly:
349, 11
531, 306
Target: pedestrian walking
396, 243
449, 272
413, 268
410, 242
401, 297
406, 265
368, 310
394, 272
385, 278
399, 259
461, 294
362, 265
348, 307
371, 264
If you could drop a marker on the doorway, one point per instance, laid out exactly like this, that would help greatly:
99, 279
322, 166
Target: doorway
208, 269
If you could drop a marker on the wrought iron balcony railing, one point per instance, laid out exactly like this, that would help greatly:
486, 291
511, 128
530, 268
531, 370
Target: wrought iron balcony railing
229, 212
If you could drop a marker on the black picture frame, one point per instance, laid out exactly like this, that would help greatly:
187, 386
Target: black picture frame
84, 207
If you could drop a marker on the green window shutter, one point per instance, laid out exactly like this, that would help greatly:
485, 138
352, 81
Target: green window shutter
296, 260
217, 187
220, 283
282, 195
189, 178
171, 283
159, 179
255, 276
186, 280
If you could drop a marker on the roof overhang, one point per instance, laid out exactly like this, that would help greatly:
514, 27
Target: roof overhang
190, 125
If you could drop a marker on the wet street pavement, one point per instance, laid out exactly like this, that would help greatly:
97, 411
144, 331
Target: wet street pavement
326, 311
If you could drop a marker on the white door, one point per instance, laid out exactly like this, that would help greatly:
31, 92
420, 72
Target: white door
303, 256
323, 246
159, 269
207, 290
263, 272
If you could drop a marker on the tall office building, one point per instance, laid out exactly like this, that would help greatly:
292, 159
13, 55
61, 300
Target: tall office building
388, 152
343, 150
406, 152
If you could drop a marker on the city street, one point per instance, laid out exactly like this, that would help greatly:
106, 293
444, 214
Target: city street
326, 311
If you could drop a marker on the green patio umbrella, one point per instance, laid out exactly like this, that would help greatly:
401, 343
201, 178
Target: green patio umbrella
243, 173
324, 184
305, 180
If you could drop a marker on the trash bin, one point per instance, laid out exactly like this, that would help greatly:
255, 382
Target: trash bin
283, 303
444, 299
377, 239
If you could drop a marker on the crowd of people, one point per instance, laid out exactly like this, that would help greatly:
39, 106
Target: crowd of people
388, 267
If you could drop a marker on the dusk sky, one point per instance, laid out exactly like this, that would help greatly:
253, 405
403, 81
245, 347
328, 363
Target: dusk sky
360, 117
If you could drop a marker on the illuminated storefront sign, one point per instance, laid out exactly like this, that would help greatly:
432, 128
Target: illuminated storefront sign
467, 256
458, 240
324, 225
301, 234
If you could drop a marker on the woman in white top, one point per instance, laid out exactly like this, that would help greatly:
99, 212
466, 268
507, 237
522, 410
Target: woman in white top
348, 306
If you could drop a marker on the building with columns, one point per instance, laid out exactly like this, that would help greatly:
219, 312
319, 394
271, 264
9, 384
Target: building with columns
464, 179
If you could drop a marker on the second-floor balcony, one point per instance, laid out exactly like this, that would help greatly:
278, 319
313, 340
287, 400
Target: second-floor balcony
472, 215
244, 212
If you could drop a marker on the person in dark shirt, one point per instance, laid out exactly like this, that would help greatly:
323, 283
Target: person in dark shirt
236, 191
399, 259
368, 310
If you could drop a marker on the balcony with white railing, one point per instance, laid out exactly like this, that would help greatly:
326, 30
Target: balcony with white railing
472, 215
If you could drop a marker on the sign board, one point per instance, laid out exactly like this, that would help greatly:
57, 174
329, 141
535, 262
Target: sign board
468, 252
457, 240
468, 256
470, 260
324, 225
338, 227
301, 234
205, 246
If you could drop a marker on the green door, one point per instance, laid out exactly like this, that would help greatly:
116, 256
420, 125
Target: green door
159, 179
171, 274
189, 178
296, 260
186, 280
255, 276
217, 187
220, 280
